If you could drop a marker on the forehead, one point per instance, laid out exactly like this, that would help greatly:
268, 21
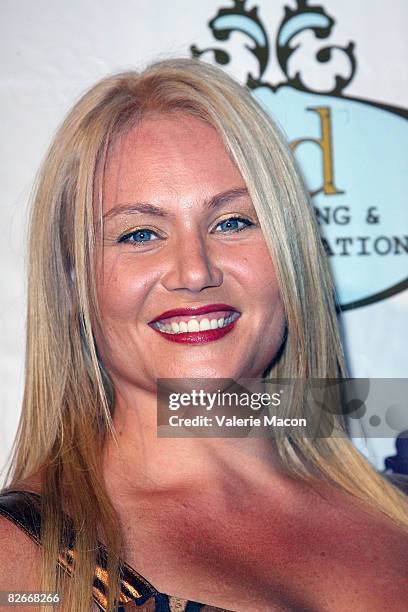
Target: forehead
168, 157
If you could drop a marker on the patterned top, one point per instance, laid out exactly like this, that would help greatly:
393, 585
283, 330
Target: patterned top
136, 593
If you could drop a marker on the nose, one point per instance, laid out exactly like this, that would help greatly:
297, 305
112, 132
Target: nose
191, 266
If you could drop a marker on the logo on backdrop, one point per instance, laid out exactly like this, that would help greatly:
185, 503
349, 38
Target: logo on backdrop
352, 151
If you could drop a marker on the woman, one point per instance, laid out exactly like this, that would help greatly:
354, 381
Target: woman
171, 190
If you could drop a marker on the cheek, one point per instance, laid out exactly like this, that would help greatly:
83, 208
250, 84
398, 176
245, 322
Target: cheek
122, 289
258, 274
257, 277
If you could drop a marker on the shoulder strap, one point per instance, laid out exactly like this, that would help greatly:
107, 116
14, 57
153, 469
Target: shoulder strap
23, 508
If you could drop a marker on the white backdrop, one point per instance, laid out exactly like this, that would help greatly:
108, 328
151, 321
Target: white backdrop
53, 50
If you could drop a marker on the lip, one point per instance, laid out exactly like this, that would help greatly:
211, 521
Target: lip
193, 311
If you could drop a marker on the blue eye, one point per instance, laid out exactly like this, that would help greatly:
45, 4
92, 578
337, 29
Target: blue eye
232, 224
139, 236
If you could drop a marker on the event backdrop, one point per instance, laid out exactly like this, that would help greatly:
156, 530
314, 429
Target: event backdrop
332, 73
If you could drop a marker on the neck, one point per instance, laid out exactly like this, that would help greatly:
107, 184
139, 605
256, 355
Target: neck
142, 463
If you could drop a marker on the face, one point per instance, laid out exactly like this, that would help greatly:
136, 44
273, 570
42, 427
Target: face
181, 234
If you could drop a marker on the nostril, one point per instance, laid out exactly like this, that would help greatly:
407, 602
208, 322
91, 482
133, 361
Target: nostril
193, 274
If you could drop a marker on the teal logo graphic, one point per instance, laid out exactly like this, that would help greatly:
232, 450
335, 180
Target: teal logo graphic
352, 152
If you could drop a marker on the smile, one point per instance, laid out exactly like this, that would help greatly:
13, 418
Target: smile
198, 328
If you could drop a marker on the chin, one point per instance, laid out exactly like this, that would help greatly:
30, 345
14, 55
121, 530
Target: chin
211, 376
198, 372
190, 385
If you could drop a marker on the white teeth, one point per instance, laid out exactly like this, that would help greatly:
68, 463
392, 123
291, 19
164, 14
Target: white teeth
193, 325
204, 325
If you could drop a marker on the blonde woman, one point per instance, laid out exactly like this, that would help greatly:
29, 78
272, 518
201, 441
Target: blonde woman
169, 196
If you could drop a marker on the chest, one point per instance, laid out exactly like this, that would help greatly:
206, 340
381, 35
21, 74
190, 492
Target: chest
259, 557
252, 558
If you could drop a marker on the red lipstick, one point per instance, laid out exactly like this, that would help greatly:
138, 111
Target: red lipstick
177, 331
193, 311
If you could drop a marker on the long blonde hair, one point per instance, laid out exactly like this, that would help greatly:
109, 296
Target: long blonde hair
69, 400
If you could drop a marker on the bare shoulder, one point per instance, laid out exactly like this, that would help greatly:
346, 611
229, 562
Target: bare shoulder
20, 559
20, 556
361, 553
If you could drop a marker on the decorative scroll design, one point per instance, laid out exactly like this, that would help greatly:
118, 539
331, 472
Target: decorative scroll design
316, 19
239, 19
295, 21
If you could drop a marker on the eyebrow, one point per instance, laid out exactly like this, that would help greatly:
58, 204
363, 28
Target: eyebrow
150, 209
